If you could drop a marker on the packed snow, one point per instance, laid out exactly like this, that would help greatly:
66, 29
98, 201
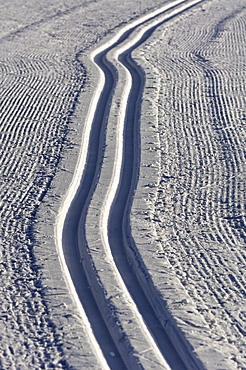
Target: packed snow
185, 240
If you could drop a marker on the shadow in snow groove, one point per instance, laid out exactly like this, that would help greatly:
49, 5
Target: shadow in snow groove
79, 206
118, 223
119, 214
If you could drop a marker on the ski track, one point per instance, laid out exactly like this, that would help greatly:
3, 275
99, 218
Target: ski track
106, 281
195, 202
41, 79
199, 207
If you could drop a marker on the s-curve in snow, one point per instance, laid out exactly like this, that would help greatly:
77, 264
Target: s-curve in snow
91, 224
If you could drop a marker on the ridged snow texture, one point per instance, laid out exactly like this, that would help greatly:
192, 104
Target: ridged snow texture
198, 202
37, 96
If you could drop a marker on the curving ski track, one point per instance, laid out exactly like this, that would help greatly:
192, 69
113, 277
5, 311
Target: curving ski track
91, 226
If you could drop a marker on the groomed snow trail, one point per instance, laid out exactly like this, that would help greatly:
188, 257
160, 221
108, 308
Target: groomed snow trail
85, 240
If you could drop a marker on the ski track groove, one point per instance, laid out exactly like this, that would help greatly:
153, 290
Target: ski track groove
202, 218
109, 289
28, 65
46, 97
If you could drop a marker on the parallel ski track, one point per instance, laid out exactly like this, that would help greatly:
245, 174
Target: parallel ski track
92, 220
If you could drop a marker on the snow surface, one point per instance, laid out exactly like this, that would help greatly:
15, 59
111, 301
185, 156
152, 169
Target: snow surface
190, 229
187, 218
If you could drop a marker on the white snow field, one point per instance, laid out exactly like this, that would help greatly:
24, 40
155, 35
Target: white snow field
122, 184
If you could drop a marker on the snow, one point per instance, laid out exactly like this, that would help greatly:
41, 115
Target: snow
187, 216
194, 210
